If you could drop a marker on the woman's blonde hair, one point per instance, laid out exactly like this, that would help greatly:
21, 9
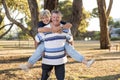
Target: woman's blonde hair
45, 12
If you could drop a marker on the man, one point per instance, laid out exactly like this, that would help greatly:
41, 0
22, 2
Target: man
54, 49
55, 45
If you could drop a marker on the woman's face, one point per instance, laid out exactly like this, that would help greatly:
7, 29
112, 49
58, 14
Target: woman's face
45, 19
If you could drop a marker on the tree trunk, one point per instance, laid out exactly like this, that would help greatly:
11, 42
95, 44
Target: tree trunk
103, 18
50, 4
34, 16
1, 19
76, 15
3, 34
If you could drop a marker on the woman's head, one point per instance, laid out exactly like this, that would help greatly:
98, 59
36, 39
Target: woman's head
45, 16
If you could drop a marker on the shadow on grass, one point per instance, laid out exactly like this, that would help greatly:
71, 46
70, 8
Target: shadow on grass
110, 53
6, 71
14, 60
25, 58
109, 77
19, 47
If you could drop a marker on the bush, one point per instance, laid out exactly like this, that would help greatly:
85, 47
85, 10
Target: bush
115, 38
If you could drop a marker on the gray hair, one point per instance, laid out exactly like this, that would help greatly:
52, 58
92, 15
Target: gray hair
56, 12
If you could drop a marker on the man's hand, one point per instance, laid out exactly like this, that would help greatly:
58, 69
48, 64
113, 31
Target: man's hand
56, 29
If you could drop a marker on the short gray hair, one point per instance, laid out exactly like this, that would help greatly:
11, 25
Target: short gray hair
56, 12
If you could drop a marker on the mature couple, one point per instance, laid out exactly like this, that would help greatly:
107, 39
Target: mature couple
54, 44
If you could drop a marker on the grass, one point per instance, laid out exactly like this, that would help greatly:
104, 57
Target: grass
106, 66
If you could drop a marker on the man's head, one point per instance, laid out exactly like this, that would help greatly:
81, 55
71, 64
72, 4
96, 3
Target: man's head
56, 17
45, 16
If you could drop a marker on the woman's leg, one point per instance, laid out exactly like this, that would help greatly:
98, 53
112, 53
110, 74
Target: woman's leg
77, 56
34, 58
73, 53
37, 54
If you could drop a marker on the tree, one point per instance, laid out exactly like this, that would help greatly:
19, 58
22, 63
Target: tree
76, 16
50, 4
33, 7
103, 18
5, 32
33, 10
1, 16
66, 7
34, 17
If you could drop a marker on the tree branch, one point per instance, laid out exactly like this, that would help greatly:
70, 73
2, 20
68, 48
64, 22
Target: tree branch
7, 30
109, 8
34, 16
5, 25
13, 20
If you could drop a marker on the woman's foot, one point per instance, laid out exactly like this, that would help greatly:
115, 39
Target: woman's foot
89, 63
24, 67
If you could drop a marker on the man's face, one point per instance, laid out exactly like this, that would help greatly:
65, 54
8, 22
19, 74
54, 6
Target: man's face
56, 18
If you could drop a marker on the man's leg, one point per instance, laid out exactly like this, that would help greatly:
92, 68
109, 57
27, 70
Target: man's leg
46, 70
60, 72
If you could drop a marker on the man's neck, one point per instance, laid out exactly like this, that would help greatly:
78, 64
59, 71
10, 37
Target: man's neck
56, 24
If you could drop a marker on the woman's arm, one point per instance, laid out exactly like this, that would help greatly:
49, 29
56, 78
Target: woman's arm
67, 26
44, 29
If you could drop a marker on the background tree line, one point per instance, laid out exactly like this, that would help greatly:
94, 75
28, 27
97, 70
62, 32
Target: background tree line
74, 12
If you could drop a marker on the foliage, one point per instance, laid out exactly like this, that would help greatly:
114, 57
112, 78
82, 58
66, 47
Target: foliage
19, 5
65, 7
96, 35
115, 38
93, 35
110, 21
116, 24
84, 23
8, 37
23, 36
94, 12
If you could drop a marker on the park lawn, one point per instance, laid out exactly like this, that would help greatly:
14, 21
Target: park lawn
106, 66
